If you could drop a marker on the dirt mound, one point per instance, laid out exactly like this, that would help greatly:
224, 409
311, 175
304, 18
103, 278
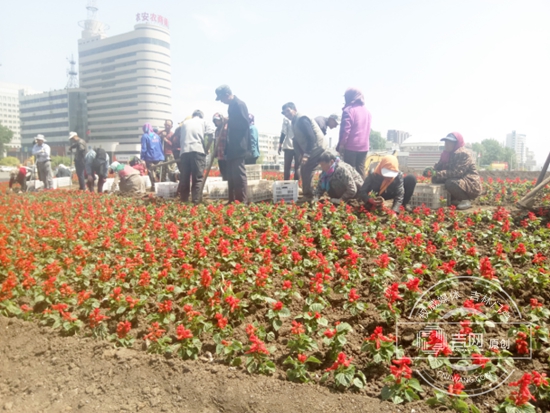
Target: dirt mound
43, 372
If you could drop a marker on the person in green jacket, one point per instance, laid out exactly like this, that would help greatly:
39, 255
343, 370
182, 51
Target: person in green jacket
254, 143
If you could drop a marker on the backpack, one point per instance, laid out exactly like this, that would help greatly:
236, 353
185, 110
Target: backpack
99, 164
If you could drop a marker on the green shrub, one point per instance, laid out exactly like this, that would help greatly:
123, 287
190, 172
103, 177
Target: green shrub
65, 160
9, 161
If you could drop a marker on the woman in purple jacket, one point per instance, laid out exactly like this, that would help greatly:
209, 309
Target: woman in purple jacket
355, 131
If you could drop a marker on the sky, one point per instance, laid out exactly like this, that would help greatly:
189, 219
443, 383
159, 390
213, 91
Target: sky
428, 67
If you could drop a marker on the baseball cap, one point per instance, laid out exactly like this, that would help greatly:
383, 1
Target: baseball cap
222, 91
450, 137
72, 135
335, 116
388, 173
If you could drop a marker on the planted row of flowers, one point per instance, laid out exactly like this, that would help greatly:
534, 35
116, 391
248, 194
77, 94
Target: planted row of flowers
270, 287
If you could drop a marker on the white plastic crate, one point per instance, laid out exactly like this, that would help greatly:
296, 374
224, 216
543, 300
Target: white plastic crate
108, 184
287, 190
256, 191
54, 183
433, 196
253, 172
166, 189
209, 181
147, 181
63, 182
35, 185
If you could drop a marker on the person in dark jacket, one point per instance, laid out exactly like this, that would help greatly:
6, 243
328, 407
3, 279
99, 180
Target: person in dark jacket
80, 146
386, 182
339, 180
331, 122
151, 151
457, 170
238, 147
254, 142
309, 143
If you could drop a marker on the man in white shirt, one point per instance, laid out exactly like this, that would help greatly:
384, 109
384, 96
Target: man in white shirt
41, 152
286, 144
193, 134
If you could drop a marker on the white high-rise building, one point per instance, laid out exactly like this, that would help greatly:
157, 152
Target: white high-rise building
517, 142
128, 81
268, 145
9, 113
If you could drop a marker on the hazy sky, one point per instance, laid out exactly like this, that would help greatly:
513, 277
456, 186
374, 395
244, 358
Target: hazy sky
481, 67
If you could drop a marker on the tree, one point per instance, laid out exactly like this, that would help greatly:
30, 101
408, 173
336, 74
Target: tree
377, 141
492, 151
5, 137
509, 155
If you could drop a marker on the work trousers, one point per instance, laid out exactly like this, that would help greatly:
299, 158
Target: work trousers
79, 166
251, 161
308, 170
356, 160
45, 174
192, 168
20, 179
457, 193
166, 169
152, 172
236, 180
222, 164
291, 154
409, 183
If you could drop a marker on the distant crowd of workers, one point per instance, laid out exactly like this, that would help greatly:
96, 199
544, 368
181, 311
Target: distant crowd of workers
234, 140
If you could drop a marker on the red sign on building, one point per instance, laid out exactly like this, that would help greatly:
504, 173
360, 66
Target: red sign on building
152, 18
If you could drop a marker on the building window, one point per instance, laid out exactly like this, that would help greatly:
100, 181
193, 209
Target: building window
127, 43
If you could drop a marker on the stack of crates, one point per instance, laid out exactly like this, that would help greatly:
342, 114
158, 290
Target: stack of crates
433, 196
285, 190
253, 172
256, 191
166, 189
108, 184
209, 181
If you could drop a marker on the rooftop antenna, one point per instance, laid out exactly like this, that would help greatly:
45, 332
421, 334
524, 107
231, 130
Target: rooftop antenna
72, 82
91, 26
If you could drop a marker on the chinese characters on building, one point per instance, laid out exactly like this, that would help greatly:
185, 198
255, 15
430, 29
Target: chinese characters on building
152, 18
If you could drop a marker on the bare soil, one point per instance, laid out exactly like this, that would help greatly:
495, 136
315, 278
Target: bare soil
41, 371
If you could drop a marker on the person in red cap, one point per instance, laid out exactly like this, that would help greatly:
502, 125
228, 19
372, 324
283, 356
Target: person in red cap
19, 175
457, 170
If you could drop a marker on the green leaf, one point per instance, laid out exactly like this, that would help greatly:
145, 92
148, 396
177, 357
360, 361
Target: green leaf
120, 310
386, 393
277, 324
358, 383
490, 324
312, 359
415, 385
432, 401
343, 379
397, 399
461, 406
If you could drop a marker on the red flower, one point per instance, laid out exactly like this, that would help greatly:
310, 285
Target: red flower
287, 285
456, 387
383, 261
523, 395
353, 296
521, 343
297, 328
258, 346
479, 360
342, 360
302, 358
155, 332
222, 321
535, 303
412, 285
96, 318
182, 333
539, 379
329, 333
233, 302
123, 328
401, 369
278, 306
486, 269
379, 336
392, 294
521, 250
438, 343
